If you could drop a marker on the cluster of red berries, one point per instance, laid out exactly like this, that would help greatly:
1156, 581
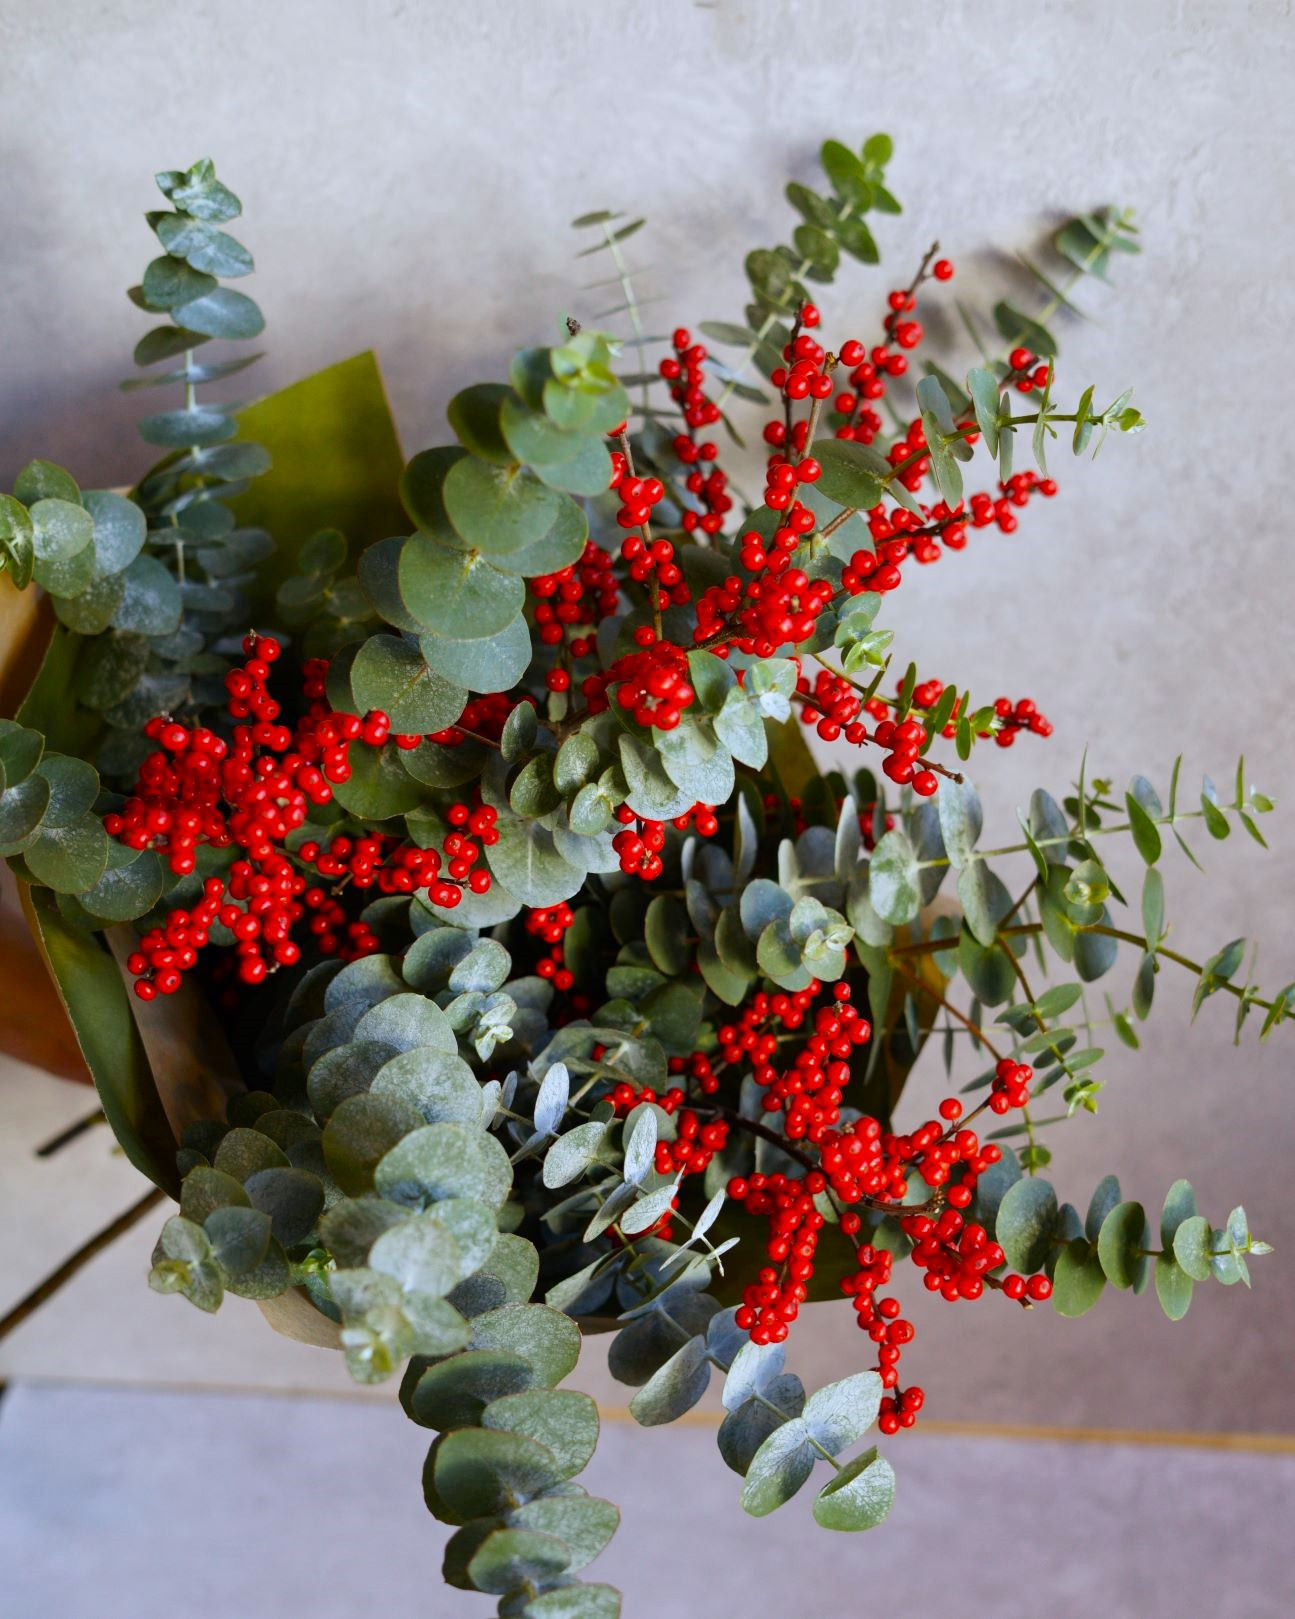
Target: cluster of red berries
694, 1146
579, 596
809, 1091
653, 685
640, 841
832, 706
870, 370
900, 1409
252, 793
772, 1302
685, 373
549, 923
1019, 716
164, 954
1011, 1087
1028, 371
861, 1164
686, 376
651, 562
376, 860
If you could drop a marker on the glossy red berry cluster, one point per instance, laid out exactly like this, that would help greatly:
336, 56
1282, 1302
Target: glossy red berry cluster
640, 841
858, 1171
832, 705
653, 686
705, 481
549, 924
252, 793
809, 1089
575, 598
1011, 1087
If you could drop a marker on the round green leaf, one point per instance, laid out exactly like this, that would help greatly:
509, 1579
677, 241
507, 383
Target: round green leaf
849, 473
893, 879
151, 604
360, 1136
532, 437
421, 491
563, 1420
59, 529
1121, 1244
444, 1160
293, 1199
456, 593
478, 1473
548, 1340
21, 809
421, 1255
390, 674
206, 248
379, 787
1027, 1218
406, 1020
180, 429
119, 530
454, 1392
240, 1237
778, 1469
697, 761
442, 1087
1192, 1247
378, 571
497, 509
588, 472
131, 885
1078, 1279
652, 793
20, 751
839, 1413
527, 863
169, 282
92, 610
1180, 1205
562, 546
859, 1496
474, 416
584, 1522
221, 313
1173, 1287
42, 480
509, 1558
493, 663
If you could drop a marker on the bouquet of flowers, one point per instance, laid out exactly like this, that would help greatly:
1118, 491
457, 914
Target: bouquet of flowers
458, 926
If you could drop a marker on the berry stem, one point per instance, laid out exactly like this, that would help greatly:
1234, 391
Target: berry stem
645, 529
972, 1028
736, 370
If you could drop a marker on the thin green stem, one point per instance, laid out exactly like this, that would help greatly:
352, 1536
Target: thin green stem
627, 288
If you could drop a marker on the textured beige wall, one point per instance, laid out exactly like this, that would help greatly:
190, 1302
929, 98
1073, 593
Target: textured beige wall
408, 171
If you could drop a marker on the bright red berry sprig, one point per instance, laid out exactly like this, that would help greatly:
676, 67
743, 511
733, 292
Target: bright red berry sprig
251, 793
549, 924
832, 705
640, 841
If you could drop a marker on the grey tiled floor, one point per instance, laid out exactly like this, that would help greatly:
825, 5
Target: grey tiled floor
130, 1504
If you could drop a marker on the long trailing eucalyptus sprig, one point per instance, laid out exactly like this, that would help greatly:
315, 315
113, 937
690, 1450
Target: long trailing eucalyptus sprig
567, 991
